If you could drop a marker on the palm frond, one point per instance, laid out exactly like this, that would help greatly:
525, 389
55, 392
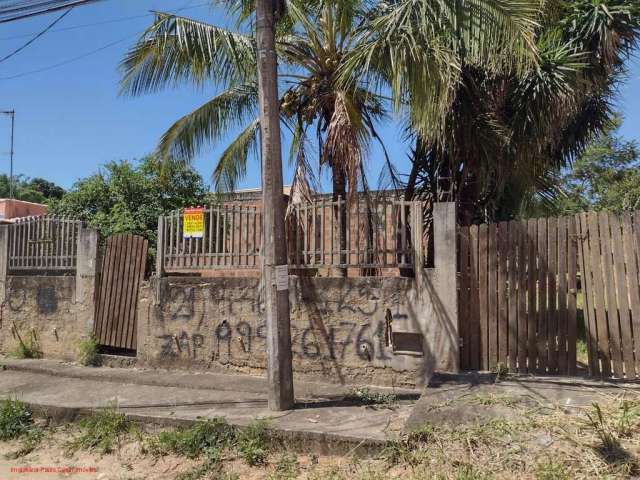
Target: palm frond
175, 49
209, 123
232, 165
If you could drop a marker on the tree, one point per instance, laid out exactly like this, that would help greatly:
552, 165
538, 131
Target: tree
338, 58
507, 137
605, 177
36, 190
128, 197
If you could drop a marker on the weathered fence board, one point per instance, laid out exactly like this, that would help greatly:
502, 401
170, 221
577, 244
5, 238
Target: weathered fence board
608, 254
123, 267
525, 301
44, 243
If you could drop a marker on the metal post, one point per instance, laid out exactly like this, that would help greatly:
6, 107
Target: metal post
274, 263
12, 113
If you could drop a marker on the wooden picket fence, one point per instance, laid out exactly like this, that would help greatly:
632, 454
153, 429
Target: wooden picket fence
517, 296
43, 243
610, 263
376, 234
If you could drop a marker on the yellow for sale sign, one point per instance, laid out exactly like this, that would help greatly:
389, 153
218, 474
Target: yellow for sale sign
193, 223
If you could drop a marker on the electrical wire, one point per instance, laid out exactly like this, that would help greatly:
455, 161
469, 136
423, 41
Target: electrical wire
31, 8
41, 33
84, 55
96, 24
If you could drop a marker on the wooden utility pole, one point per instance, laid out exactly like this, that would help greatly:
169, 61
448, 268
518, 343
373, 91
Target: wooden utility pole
274, 250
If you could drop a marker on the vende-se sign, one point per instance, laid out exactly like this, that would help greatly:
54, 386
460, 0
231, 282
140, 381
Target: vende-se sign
193, 222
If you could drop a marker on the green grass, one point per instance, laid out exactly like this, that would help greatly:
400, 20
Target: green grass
89, 356
15, 419
102, 431
205, 437
286, 468
551, 470
253, 443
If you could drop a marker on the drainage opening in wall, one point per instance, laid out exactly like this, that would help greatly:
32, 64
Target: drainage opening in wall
406, 343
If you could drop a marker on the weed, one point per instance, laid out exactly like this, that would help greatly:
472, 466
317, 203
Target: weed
501, 370
15, 419
467, 471
89, 356
101, 431
203, 437
253, 443
628, 418
608, 438
550, 470
365, 396
582, 354
287, 468
28, 349
30, 441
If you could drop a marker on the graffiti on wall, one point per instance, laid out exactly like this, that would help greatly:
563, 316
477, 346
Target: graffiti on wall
46, 298
234, 330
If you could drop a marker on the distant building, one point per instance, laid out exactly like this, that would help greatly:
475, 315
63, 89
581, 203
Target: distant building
10, 209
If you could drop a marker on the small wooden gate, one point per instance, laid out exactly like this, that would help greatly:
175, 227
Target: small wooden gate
123, 267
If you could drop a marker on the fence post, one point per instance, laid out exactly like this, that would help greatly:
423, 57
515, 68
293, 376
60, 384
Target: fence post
4, 260
445, 260
160, 248
417, 229
86, 274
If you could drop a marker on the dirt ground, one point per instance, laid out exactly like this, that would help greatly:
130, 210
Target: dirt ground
526, 440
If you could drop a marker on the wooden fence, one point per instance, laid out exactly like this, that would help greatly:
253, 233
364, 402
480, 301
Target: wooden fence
610, 262
320, 234
44, 243
517, 295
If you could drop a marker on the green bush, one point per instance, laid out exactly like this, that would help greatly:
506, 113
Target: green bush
15, 419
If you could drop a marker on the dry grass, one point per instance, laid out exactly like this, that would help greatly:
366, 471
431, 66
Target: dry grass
599, 441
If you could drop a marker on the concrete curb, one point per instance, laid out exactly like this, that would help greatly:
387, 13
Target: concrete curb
301, 441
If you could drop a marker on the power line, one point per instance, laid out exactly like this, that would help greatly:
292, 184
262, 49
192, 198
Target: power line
31, 8
19, 49
71, 60
84, 55
96, 24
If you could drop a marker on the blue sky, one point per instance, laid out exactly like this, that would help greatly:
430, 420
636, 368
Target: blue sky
70, 119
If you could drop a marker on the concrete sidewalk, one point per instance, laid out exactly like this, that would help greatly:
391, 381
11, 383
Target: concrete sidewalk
321, 416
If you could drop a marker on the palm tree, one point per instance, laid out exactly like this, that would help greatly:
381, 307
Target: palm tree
338, 61
508, 136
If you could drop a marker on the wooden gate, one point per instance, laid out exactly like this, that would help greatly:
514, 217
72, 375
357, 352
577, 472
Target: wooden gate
123, 267
610, 261
517, 296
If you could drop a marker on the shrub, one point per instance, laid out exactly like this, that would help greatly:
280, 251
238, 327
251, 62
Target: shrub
89, 356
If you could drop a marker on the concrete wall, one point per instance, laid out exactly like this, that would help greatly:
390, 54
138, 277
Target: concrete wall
43, 308
382, 331
56, 311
